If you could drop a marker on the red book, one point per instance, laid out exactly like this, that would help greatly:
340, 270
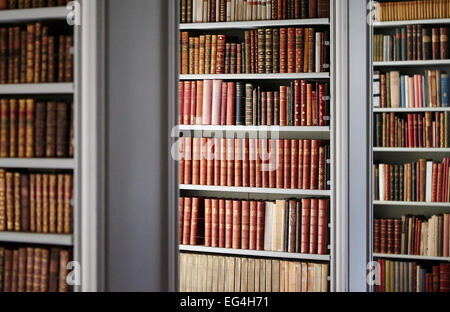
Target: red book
193, 108
444, 279
220, 65
188, 161
204, 162
210, 162
252, 156
300, 53
187, 221
294, 164
187, 103
304, 103
297, 104
217, 162
181, 101
245, 224
287, 164
283, 50
246, 163
435, 279
181, 218
228, 224
291, 52
280, 164
306, 164
315, 145
199, 109
283, 105
260, 224
195, 221
253, 57
224, 113
222, 223
306, 217
439, 183
322, 106
383, 236
238, 152
265, 159
435, 183
273, 163
253, 225
300, 163
258, 164
214, 223
397, 236
236, 225
410, 130
314, 227
230, 162
231, 103
197, 145
208, 222
323, 227
223, 163
377, 236
181, 152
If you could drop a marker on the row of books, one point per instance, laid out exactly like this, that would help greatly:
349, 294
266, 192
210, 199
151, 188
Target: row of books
393, 90
33, 54
204, 273
412, 10
400, 276
28, 4
429, 130
294, 226
33, 128
210, 11
30, 269
413, 235
413, 43
283, 164
422, 181
215, 102
36, 203
264, 51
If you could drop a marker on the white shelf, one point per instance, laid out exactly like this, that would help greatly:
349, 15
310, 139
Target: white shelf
257, 76
411, 204
254, 190
254, 253
36, 14
411, 110
33, 238
37, 163
412, 63
255, 24
37, 88
411, 150
411, 22
407, 257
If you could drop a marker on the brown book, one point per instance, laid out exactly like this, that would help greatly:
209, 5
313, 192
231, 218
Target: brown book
52, 203
236, 224
238, 163
276, 50
4, 128
10, 202
245, 225
45, 259
38, 200
62, 129
60, 204
426, 44
14, 270
306, 219
315, 145
208, 222
323, 227
7, 271
220, 54
229, 224
13, 128
67, 206
253, 209
63, 261
291, 50
51, 131
261, 51
17, 203
30, 53
23, 56
3, 56
30, 270
444, 43
2, 200
269, 51
195, 215
314, 226
37, 53
29, 126
68, 70
187, 221
37, 270
51, 59
2, 267
436, 49
44, 55
25, 202
299, 50
292, 230
21, 133
280, 165
260, 225
287, 164
53, 281
39, 129
61, 58
21, 276
283, 50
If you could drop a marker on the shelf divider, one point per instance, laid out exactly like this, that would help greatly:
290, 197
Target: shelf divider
34, 238
255, 24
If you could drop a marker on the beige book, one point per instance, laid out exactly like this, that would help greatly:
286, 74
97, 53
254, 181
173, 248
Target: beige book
215, 283
194, 273
221, 281
324, 282
204, 270
237, 274
227, 275
183, 272
275, 276
269, 226
280, 224
231, 273
257, 275
292, 277
283, 276
298, 277
188, 275
311, 278
209, 274
251, 275
317, 277
304, 277
395, 89
244, 275
268, 276
262, 275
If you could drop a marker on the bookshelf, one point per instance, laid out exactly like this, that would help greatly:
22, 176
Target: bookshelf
64, 90
327, 133
388, 209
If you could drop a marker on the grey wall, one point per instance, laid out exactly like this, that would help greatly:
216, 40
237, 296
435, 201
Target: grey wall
136, 48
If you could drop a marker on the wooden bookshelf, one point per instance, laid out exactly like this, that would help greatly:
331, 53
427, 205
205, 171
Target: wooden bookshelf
308, 133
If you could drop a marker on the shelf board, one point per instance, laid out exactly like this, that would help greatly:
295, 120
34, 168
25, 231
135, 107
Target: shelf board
257, 76
411, 150
255, 24
411, 110
36, 14
37, 88
254, 253
34, 238
407, 257
252, 190
37, 163
411, 204
411, 22
412, 63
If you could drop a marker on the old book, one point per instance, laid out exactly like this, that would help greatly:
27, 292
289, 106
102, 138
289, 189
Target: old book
29, 126
68, 66
51, 129
53, 282
195, 217
187, 221
45, 260
64, 258
60, 204
17, 203
30, 53
4, 128
21, 130
61, 58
